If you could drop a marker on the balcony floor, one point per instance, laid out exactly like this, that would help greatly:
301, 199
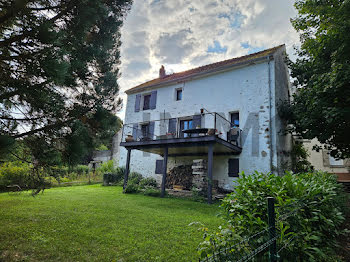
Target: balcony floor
190, 146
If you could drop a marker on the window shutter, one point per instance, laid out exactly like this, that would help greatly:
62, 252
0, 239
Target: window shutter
172, 125
137, 103
151, 130
159, 166
233, 167
153, 101
135, 131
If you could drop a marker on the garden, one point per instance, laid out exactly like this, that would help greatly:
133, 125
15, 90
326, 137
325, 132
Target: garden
98, 222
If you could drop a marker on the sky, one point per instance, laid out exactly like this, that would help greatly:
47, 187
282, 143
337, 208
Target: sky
183, 34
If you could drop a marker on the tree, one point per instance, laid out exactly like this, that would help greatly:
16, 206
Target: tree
321, 106
58, 77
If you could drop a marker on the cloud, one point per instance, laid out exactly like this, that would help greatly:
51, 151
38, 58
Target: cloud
182, 34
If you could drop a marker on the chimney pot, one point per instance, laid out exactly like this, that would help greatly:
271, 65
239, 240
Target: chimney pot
162, 72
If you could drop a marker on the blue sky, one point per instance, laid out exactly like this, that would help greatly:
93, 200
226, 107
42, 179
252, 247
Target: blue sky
182, 34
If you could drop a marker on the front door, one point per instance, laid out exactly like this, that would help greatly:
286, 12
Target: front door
184, 125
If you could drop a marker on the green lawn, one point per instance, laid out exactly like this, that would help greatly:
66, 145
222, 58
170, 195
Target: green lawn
95, 223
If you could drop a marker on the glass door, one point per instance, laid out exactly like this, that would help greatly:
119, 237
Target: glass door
184, 125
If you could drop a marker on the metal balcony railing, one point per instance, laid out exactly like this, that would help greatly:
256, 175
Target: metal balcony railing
204, 124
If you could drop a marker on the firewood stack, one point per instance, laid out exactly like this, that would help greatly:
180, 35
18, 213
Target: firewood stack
180, 176
199, 178
199, 172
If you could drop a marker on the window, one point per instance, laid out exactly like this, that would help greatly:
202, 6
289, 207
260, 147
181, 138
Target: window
233, 167
146, 102
145, 130
334, 162
159, 166
235, 119
184, 125
178, 94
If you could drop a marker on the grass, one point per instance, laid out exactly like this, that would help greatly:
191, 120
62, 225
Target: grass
95, 223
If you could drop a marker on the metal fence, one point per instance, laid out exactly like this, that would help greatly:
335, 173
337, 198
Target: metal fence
169, 128
262, 246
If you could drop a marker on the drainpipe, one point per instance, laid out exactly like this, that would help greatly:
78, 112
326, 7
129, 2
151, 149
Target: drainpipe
270, 112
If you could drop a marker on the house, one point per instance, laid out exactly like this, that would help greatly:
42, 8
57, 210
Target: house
323, 161
225, 113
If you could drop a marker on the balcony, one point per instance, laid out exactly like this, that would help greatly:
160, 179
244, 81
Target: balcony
184, 136
205, 134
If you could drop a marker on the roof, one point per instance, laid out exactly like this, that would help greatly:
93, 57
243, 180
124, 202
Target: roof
204, 69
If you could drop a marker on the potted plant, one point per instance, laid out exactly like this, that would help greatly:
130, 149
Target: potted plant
129, 138
211, 131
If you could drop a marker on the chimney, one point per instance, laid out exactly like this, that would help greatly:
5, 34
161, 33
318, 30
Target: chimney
162, 72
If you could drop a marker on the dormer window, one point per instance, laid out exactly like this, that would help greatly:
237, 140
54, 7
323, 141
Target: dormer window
178, 94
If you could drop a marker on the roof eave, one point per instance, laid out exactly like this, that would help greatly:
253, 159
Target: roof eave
201, 74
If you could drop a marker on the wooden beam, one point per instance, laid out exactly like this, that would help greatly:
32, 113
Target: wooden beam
127, 168
165, 163
210, 172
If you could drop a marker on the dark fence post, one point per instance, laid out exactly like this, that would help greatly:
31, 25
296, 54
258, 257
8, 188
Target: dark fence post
272, 228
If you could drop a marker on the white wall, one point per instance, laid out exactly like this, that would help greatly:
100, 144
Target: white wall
245, 90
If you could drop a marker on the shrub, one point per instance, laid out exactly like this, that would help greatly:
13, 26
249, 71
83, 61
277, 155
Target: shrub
148, 182
135, 178
152, 192
15, 173
82, 170
314, 227
106, 167
131, 188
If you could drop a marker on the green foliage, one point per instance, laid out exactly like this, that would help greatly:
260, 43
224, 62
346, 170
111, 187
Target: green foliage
321, 106
82, 170
106, 167
132, 187
15, 173
136, 183
148, 182
299, 157
101, 147
59, 70
135, 178
315, 226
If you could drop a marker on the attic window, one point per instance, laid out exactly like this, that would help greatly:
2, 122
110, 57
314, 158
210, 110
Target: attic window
178, 94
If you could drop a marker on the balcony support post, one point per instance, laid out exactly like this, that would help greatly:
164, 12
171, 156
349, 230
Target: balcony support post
127, 168
165, 163
210, 172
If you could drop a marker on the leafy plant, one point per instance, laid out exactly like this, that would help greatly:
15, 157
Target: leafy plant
131, 187
314, 227
15, 173
106, 167
148, 182
135, 178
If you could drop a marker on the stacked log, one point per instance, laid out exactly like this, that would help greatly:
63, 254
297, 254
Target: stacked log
180, 176
199, 172
199, 176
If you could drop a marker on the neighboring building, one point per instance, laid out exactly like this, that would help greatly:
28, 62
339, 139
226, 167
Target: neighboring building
100, 156
323, 161
229, 110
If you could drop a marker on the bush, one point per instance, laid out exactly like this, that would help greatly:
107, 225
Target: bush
135, 178
315, 226
148, 182
152, 192
131, 188
106, 167
15, 173
82, 170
